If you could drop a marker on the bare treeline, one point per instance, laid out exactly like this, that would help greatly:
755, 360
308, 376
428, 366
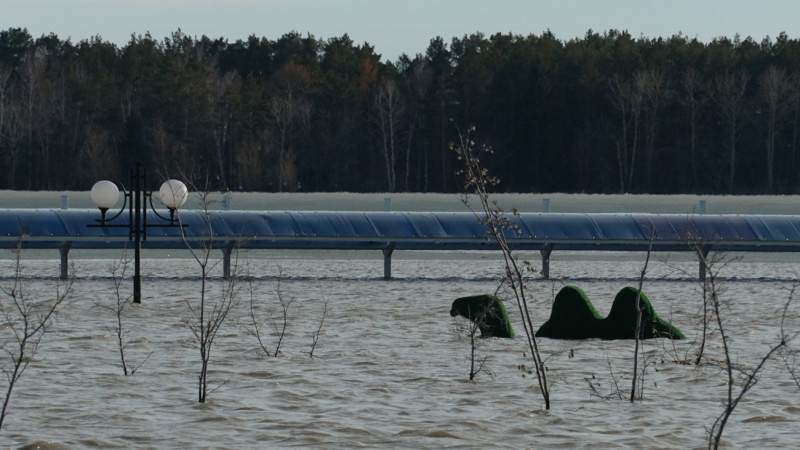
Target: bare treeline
604, 113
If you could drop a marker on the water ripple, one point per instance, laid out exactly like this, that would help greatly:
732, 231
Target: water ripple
388, 371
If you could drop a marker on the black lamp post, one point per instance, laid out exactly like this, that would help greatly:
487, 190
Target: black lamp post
105, 194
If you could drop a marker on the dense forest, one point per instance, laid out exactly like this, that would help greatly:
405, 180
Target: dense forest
606, 113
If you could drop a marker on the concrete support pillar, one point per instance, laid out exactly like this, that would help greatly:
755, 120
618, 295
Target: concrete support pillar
64, 250
705, 250
546, 261
387, 260
226, 260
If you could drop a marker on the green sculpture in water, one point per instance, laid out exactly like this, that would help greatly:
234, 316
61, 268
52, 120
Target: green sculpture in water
487, 311
574, 317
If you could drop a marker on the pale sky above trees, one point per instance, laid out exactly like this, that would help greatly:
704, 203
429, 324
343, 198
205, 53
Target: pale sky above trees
396, 27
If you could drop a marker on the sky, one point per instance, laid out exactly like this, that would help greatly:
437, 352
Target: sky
394, 27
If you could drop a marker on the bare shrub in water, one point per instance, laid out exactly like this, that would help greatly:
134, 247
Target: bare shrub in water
596, 385
258, 321
469, 329
315, 336
790, 360
744, 377
708, 283
26, 322
476, 180
279, 324
694, 353
638, 331
118, 309
208, 313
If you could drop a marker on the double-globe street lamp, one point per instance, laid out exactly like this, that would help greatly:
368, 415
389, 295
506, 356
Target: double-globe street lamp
105, 195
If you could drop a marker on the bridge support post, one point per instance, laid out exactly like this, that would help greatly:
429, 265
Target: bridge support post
387, 260
546, 261
226, 260
704, 254
64, 250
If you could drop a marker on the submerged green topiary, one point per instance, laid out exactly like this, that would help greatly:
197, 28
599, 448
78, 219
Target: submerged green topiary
621, 320
574, 317
488, 310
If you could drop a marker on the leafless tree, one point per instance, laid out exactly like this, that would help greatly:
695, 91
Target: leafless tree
118, 308
465, 328
789, 357
595, 385
257, 322
712, 263
208, 313
638, 332
5, 76
223, 87
476, 180
729, 93
26, 322
249, 161
655, 93
693, 99
279, 324
167, 152
419, 80
745, 378
33, 76
290, 106
387, 114
779, 95
627, 98
98, 154
315, 338
716, 261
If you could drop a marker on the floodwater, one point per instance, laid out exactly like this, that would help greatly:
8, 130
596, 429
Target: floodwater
388, 369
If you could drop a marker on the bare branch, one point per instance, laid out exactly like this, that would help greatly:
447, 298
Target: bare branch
28, 320
207, 317
476, 180
319, 329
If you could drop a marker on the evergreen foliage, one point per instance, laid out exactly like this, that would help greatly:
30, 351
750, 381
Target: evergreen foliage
604, 113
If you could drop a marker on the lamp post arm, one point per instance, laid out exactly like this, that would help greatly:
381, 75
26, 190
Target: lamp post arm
105, 219
170, 219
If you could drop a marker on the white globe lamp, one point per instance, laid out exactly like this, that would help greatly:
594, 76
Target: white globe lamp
173, 195
105, 195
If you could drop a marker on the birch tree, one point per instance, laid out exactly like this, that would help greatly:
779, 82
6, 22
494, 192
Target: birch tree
730, 90
693, 99
387, 112
626, 97
223, 89
653, 89
290, 107
779, 96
